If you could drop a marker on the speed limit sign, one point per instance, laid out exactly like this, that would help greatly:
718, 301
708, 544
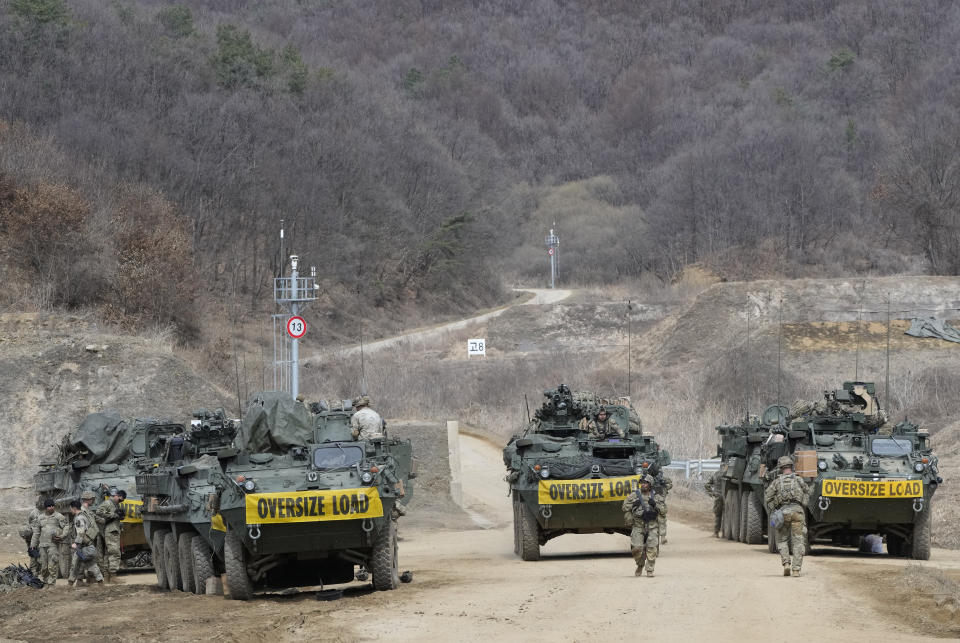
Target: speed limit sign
550, 251
296, 327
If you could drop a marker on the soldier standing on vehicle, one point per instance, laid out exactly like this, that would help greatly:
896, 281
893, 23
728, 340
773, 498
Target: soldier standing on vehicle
786, 498
26, 532
365, 423
108, 517
602, 426
661, 485
50, 528
712, 487
640, 510
85, 535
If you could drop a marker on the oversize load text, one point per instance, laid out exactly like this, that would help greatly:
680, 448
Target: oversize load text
872, 488
313, 506
567, 492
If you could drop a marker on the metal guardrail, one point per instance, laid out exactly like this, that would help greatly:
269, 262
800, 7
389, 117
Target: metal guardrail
694, 467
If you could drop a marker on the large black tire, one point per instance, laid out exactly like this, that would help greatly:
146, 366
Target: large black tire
742, 528
771, 537
735, 514
384, 563
171, 561
516, 527
185, 555
725, 529
529, 534
753, 524
159, 557
920, 547
235, 560
202, 564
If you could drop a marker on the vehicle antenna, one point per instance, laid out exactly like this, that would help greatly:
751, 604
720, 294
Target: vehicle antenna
886, 384
363, 372
856, 368
746, 398
779, 346
629, 351
236, 365
526, 403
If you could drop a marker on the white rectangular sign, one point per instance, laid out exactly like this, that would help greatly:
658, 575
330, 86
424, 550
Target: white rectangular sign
476, 347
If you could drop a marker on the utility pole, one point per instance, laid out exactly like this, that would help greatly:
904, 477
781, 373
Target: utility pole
553, 249
292, 293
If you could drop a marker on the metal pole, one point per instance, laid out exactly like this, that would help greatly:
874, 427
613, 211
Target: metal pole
886, 384
294, 343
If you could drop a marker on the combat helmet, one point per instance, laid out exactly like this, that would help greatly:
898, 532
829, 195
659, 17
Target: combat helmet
88, 495
784, 461
361, 402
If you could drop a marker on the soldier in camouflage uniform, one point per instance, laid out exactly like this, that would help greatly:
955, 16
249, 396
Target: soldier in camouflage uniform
83, 545
26, 532
641, 510
48, 531
108, 516
601, 426
661, 485
365, 423
788, 493
712, 487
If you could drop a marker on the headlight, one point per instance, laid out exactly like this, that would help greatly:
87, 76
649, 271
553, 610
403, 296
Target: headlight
595, 468
249, 486
918, 467
822, 465
544, 472
312, 476
366, 476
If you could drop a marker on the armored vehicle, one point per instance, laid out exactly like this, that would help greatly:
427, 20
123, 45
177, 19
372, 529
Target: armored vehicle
180, 479
99, 455
564, 481
740, 482
867, 477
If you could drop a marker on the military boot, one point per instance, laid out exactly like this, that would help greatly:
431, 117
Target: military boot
639, 571
786, 569
649, 573
795, 572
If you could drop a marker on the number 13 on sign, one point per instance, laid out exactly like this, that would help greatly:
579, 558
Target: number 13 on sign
296, 327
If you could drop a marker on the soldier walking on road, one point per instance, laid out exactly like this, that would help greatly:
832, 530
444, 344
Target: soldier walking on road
602, 426
712, 487
786, 498
48, 531
365, 423
640, 510
108, 517
661, 485
83, 546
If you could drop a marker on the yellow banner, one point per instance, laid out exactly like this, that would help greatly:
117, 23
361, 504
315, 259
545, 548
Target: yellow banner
131, 511
312, 506
872, 488
216, 522
569, 492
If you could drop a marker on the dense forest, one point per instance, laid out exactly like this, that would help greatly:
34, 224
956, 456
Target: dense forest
419, 150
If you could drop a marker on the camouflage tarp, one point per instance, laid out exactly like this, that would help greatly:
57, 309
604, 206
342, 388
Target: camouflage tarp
102, 438
273, 423
933, 327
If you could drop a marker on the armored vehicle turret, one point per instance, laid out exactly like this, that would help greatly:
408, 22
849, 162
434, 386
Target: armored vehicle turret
867, 477
101, 453
569, 474
180, 480
740, 481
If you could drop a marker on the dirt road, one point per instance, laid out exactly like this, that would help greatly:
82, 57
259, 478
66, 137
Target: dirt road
468, 585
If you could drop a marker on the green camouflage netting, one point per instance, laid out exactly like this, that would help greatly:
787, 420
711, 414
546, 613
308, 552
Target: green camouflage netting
274, 422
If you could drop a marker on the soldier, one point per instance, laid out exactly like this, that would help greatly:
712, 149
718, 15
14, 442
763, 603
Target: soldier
48, 531
640, 510
108, 517
712, 487
365, 423
602, 427
788, 494
85, 535
26, 532
661, 485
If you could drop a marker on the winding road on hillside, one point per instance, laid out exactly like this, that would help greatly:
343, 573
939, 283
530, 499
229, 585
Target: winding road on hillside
541, 296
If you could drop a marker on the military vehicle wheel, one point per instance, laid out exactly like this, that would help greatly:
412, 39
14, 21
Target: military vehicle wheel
771, 539
726, 531
171, 561
753, 524
920, 547
158, 556
383, 560
185, 556
529, 534
235, 560
743, 516
735, 515
516, 527
202, 564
